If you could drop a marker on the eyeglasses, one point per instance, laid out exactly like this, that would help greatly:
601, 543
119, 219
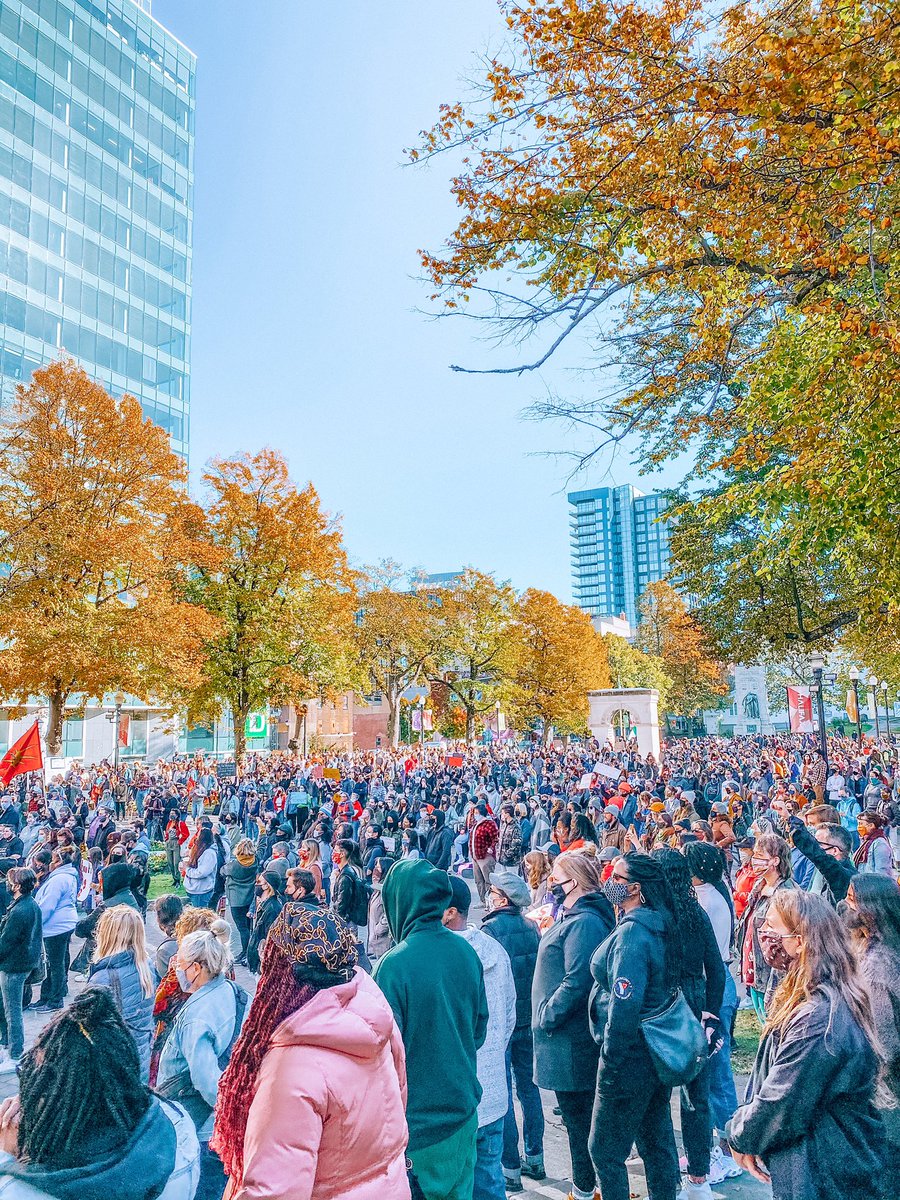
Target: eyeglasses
620, 878
772, 933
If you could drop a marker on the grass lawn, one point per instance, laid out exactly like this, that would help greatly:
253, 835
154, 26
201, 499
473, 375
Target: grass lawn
161, 885
746, 1034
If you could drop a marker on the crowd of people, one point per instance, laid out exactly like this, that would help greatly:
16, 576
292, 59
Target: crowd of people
438, 938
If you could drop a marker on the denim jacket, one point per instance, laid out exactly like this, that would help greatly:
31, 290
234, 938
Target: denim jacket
202, 1031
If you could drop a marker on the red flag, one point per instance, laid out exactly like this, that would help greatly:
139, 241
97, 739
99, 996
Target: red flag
24, 755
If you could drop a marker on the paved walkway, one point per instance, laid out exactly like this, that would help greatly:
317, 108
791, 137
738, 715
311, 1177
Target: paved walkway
556, 1152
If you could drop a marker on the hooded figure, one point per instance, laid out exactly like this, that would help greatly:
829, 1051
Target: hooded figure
439, 844
433, 981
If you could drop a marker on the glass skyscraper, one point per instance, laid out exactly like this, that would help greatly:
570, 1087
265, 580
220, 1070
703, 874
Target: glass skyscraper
96, 182
618, 546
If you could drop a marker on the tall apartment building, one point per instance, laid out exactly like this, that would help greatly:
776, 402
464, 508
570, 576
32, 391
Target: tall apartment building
618, 546
96, 180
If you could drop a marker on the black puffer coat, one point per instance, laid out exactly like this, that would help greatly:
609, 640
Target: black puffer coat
520, 939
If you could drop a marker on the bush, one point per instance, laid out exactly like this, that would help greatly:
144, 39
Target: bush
156, 862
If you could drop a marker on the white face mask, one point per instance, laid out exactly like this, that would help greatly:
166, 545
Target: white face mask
183, 982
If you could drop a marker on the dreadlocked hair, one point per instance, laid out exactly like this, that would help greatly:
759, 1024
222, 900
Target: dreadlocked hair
686, 907
657, 894
279, 994
81, 1075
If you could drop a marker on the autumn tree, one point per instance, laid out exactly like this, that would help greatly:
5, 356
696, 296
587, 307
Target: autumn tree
449, 717
95, 532
395, 638
475, 653
630, 667
280, 588
709, 195
559, 658
669, 633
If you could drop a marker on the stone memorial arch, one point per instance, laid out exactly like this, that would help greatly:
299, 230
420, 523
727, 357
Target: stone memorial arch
610, 709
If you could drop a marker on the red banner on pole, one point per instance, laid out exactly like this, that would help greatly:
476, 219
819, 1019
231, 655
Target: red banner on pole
23, 755
800, 714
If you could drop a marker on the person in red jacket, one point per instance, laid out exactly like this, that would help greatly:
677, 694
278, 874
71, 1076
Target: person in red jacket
745, 878
483, 845
176, 834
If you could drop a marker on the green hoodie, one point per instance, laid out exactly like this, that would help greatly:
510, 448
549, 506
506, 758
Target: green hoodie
434, 983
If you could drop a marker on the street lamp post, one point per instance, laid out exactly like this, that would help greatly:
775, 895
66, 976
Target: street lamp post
887, 711
817, 662
854, 679
873, 684
304, 709
498, 709
422, 723
117, 718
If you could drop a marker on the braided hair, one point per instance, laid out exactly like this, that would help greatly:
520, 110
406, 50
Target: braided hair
688, 913
279, 994
656, 893
81, 1075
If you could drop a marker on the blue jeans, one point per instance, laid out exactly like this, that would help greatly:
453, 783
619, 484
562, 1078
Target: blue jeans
199, 899
723, 1099
520, 1062
12, 987
489, 1182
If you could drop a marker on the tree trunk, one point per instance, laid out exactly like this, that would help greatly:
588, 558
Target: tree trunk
394, 719
57, 702
547, 733
239, 720
470, 724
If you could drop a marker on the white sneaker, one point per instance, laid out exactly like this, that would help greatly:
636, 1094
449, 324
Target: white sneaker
722, 1166
696, 1191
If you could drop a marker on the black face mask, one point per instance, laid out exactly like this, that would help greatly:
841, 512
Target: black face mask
558, 892
258, 889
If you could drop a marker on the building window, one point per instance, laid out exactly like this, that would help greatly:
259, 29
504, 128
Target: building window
73, 737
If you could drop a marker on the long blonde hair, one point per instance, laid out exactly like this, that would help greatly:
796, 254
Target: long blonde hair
121, 928
826, 963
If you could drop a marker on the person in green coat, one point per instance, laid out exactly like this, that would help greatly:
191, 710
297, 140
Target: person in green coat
434, 983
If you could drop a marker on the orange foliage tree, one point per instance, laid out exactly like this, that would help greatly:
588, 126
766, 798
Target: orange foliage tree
559, 657
96, 533
669, 633
279, 587
709, 193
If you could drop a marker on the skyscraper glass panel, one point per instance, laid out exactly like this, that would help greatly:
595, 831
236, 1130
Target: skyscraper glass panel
618, 546
96, 183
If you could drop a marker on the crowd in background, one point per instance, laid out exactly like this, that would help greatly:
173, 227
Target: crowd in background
405, 1023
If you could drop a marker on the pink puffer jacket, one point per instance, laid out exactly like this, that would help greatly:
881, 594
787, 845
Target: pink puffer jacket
328, 1117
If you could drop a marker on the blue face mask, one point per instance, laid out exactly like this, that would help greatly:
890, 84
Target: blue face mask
183, 982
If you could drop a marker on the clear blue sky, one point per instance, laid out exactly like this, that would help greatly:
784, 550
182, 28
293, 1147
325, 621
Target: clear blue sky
306, 334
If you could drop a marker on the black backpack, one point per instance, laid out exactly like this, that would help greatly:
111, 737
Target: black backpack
359, 901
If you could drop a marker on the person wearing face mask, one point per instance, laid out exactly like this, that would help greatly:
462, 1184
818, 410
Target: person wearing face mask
771, 862
808, 1125
874, 855
872, 917
439, 841
634, 971
198, 1047
745, 878
268, 905
565, 1054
